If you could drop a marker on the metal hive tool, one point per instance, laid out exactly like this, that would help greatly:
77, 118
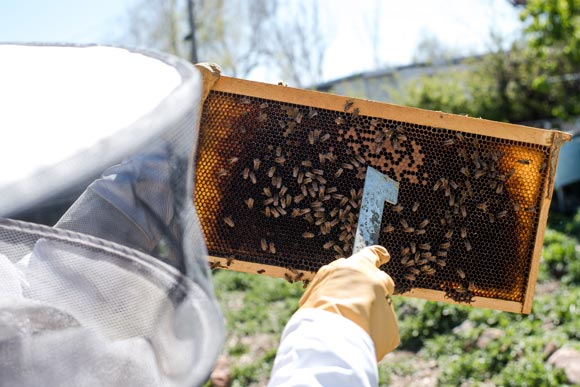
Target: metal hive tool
279, 180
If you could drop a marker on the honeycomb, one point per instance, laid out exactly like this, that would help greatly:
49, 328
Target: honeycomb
281, 184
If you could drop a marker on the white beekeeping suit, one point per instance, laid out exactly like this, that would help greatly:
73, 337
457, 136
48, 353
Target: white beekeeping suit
344, 326
118, 293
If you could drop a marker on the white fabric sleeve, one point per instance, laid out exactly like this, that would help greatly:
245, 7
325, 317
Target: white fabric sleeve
319, 348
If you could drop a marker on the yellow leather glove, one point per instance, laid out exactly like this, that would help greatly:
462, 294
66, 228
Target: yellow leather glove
356, 289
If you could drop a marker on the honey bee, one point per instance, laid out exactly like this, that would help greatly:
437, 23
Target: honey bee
479, 173
264, 244
272, 248
415, 207
445, 245
307, 163
463, 232
262, 117
299, 117
288, 278
464, 171
459, 136
253, 178
482, 206
325, 137
420, 232
328, 245
215, 265
491, 218
311, 138
280, 160
312, 113
268, 201
414, 271
517, 206
437, 185
499, 188
398, 208
424, 223
524, 161
339, 120
501, 214
388, 229
441, 262
461, 273
261, 271
229, 221
404, 223
467, 245
449, 142
298, 198
441, 253
410, 277
339, 172
348, 166
448, 234
223, 172
233, 160
348, 104
425, 246
308, 235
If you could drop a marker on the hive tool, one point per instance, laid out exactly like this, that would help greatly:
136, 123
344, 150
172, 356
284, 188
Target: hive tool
377, 190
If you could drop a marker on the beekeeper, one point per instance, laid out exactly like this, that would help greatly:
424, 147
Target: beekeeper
344, 326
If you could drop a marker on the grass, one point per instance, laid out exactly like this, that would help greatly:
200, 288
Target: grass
257, 308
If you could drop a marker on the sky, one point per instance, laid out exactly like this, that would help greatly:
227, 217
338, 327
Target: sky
463, 25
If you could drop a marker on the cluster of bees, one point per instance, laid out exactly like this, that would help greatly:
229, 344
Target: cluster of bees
303, 189
313, 190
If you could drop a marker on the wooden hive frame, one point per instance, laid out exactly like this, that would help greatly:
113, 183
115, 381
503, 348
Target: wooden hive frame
551, 139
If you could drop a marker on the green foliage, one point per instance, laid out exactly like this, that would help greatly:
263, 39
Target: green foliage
254, 305
565, 224
268, 302
560, 257
516, 358
420, 320
537, 77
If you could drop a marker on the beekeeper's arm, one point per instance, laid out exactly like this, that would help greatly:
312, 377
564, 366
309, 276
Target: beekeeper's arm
344, 326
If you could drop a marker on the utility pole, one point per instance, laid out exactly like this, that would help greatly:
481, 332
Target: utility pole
191, 19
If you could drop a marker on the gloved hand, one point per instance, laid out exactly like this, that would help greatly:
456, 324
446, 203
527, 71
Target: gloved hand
356, 289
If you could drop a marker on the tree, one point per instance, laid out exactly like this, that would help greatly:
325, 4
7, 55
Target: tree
241, 36
536, 78
553, 33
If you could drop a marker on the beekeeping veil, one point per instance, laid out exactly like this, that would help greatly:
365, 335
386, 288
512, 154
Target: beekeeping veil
118, 291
